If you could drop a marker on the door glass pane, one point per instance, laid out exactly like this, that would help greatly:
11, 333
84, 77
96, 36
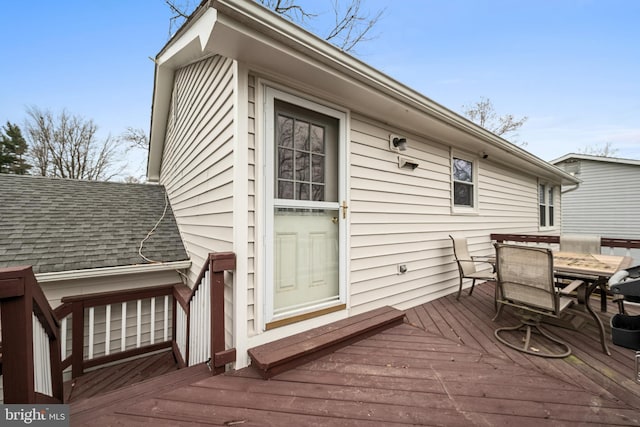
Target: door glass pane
302, 166
285, 163
301, 137
301, 158
285, 131
317, 139
306, 255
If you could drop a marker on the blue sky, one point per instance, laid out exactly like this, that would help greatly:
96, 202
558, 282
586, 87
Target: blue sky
571, 66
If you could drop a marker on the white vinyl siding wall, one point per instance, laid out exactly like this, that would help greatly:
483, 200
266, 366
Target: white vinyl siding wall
399, 216
197, 164
605, 203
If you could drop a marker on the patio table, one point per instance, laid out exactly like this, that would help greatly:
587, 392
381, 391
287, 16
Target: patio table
595, 270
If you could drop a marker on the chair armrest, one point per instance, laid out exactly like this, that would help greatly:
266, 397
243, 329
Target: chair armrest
571, 287
481, 258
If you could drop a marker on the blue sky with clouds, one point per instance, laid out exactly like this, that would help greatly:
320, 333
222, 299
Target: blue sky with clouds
571, 66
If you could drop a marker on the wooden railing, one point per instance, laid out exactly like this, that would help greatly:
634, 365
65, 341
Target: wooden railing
30, 340
548, 241
199, 312
35, 344
83, 308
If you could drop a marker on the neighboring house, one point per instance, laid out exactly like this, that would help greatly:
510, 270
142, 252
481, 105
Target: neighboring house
606, 202
83, 237
278, 146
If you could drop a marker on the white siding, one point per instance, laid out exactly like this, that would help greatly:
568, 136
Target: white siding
399, 216
605, 203
197, 160
197, 164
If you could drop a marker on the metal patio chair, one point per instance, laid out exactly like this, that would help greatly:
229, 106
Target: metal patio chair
526, 282
467, 264
580, 243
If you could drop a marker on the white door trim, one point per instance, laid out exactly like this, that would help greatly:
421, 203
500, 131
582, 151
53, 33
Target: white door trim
272, 93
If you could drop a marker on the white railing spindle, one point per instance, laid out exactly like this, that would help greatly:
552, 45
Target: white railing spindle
41, 359
166, 318
181, 330
107, 330
152, 327
63, 338
123, 327
91, 330
138, 323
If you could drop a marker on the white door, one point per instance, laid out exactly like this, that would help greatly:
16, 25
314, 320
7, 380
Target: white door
305, 215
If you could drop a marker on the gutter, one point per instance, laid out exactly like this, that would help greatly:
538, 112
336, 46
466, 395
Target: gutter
112, 271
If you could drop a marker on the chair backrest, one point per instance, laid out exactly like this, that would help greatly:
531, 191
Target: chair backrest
580, 243
525, 276
461, 252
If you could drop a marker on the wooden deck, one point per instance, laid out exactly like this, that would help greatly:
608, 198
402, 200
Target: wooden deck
118, 376
442, 367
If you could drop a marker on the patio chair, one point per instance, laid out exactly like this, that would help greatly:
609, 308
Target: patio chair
580, 243
467, 264
526, 282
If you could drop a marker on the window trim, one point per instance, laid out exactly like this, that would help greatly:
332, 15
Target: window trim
550, 204
460, 209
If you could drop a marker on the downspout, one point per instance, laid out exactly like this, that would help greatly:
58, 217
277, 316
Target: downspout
569, 190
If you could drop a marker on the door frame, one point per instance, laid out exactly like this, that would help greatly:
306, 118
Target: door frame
270, 93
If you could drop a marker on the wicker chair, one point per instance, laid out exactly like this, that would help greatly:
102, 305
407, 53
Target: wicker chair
526, 282
467, 264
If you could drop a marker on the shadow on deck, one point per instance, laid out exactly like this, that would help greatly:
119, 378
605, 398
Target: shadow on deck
442, 366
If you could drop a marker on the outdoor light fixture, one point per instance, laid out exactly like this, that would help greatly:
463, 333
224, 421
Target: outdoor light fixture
397, 143
406, 163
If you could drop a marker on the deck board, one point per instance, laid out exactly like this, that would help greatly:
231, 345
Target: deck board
442, 366
117, 376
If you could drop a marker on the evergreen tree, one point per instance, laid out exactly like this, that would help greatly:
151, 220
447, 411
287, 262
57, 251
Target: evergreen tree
12, 149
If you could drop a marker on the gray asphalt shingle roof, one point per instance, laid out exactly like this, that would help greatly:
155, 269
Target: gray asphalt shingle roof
61, 225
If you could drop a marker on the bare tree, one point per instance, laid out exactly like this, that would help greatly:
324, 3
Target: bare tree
136, 137
66, 146
606, 150
352, 24
484, 114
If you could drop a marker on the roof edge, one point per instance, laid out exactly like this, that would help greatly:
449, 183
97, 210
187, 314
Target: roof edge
595, 158
258, 18
111, 271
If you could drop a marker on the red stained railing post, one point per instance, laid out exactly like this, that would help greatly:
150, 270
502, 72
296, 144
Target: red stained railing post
17, 336
219, 263
20, 299
77, 343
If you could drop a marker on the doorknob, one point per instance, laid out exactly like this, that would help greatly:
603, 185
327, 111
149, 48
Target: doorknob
334, 219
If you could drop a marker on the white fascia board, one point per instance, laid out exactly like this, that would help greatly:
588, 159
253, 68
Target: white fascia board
112, 271
188, 47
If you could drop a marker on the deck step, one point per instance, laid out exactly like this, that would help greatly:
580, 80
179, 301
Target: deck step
279, 356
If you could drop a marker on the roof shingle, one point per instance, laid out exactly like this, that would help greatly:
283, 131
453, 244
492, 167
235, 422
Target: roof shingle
61, 225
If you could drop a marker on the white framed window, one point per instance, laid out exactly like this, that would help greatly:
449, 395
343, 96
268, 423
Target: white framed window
546, 203
464, 188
